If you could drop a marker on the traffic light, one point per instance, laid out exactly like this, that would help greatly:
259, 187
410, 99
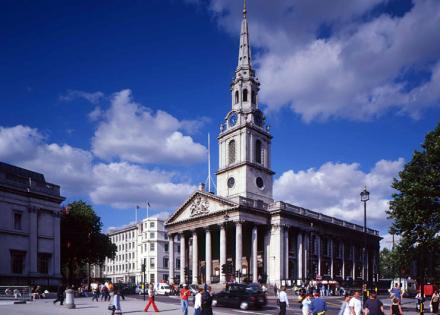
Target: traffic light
230, 268
143, 268
224, 271
185, 271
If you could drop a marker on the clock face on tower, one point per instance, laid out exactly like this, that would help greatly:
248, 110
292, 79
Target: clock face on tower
232, 119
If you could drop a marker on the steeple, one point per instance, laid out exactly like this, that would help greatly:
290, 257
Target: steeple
244, 55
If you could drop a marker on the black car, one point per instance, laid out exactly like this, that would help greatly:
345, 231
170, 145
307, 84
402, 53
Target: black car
242, 296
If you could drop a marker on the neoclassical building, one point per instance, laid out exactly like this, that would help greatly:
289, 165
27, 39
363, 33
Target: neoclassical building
265, 240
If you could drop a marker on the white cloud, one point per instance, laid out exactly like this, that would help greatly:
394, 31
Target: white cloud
92, 97
361, 70
61, 164
124, 185
334, 189
133, 133
95, 114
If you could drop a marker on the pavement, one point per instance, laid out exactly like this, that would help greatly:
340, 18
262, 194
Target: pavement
167, 305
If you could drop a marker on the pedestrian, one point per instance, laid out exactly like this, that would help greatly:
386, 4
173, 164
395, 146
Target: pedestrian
207, 301
318, 305
116, 303
60, 295
95, 291
104, 293
395, 308
306, 304
184, 295
198, 303
345, 309
373, 306
396, 292
284, 301
151, 300
355, 304
275, 289
110, 291
435, 299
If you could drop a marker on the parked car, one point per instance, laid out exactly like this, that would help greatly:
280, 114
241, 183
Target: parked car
162, 289
241, 296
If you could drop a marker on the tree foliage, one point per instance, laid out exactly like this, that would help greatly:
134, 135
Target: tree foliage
82, 241
415, 208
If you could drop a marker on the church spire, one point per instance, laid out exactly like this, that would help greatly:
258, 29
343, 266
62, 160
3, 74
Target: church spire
244, 55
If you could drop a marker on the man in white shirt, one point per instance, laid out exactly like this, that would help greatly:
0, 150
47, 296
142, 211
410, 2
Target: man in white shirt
355, 304
198, 303
284, 302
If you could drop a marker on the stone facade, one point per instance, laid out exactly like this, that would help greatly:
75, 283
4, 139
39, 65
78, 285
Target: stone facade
146, 240
242, 226
29, 229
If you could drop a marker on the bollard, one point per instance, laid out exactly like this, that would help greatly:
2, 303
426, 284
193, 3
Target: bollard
70, 298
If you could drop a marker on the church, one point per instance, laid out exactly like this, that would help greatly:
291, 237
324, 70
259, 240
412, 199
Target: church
241, 233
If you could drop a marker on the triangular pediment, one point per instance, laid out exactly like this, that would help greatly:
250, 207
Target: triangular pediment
200, 204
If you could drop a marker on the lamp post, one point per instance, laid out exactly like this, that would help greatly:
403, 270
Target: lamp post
365, 196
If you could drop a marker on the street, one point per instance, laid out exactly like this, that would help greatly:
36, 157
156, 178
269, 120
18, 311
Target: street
167, 305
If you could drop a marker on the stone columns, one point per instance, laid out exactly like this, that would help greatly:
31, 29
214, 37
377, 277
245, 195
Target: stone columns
286, 250
306, 256
299, 255
366, 265
171, 258
354, 262
343, 260
33, 240
195, 257
254, 254
182, 258
208, 260
318, 241
57, 246
238, 245
332, 262
222, 252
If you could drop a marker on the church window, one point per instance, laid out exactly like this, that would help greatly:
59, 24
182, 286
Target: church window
258, 151
245, 95
231, 151
236, 97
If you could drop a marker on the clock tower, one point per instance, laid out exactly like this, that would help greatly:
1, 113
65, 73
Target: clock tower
245, 140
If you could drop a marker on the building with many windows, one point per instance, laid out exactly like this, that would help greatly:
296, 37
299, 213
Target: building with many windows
244, 227
144, 242
29, 228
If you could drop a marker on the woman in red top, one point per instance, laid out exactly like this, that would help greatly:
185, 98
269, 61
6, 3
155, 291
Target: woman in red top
151, 300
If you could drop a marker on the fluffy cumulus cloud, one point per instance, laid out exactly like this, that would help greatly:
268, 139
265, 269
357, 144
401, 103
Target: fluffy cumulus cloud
334, 189
136, 134
139, 185
328, 59
61, 164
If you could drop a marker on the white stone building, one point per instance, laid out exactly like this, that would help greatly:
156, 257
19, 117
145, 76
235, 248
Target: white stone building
29, 228
147, 242
265, 240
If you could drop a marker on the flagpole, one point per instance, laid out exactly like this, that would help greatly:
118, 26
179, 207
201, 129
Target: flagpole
148, 209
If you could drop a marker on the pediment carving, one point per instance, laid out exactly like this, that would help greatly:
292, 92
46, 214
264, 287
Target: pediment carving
199, 206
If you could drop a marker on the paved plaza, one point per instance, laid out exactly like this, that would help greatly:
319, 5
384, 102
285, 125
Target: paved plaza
166, 305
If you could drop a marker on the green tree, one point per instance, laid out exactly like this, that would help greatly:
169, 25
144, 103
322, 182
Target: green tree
415, 208
82, 240
393, 263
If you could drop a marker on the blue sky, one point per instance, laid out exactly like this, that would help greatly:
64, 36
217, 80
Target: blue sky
113, 99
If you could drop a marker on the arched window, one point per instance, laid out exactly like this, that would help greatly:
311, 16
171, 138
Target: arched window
245, 95
236, 97
231, 151
254, 97
258, 151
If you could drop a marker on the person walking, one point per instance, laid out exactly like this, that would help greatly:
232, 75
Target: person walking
306, 304
184, 295
435, 299
373, 306
345, 309
207, 301
60, 295
116, 303
396, 292
95, 291
355, 304
284, 301
151, 300
395, 308
318, 305
198, 303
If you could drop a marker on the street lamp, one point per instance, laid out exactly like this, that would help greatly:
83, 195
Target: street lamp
365, 196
